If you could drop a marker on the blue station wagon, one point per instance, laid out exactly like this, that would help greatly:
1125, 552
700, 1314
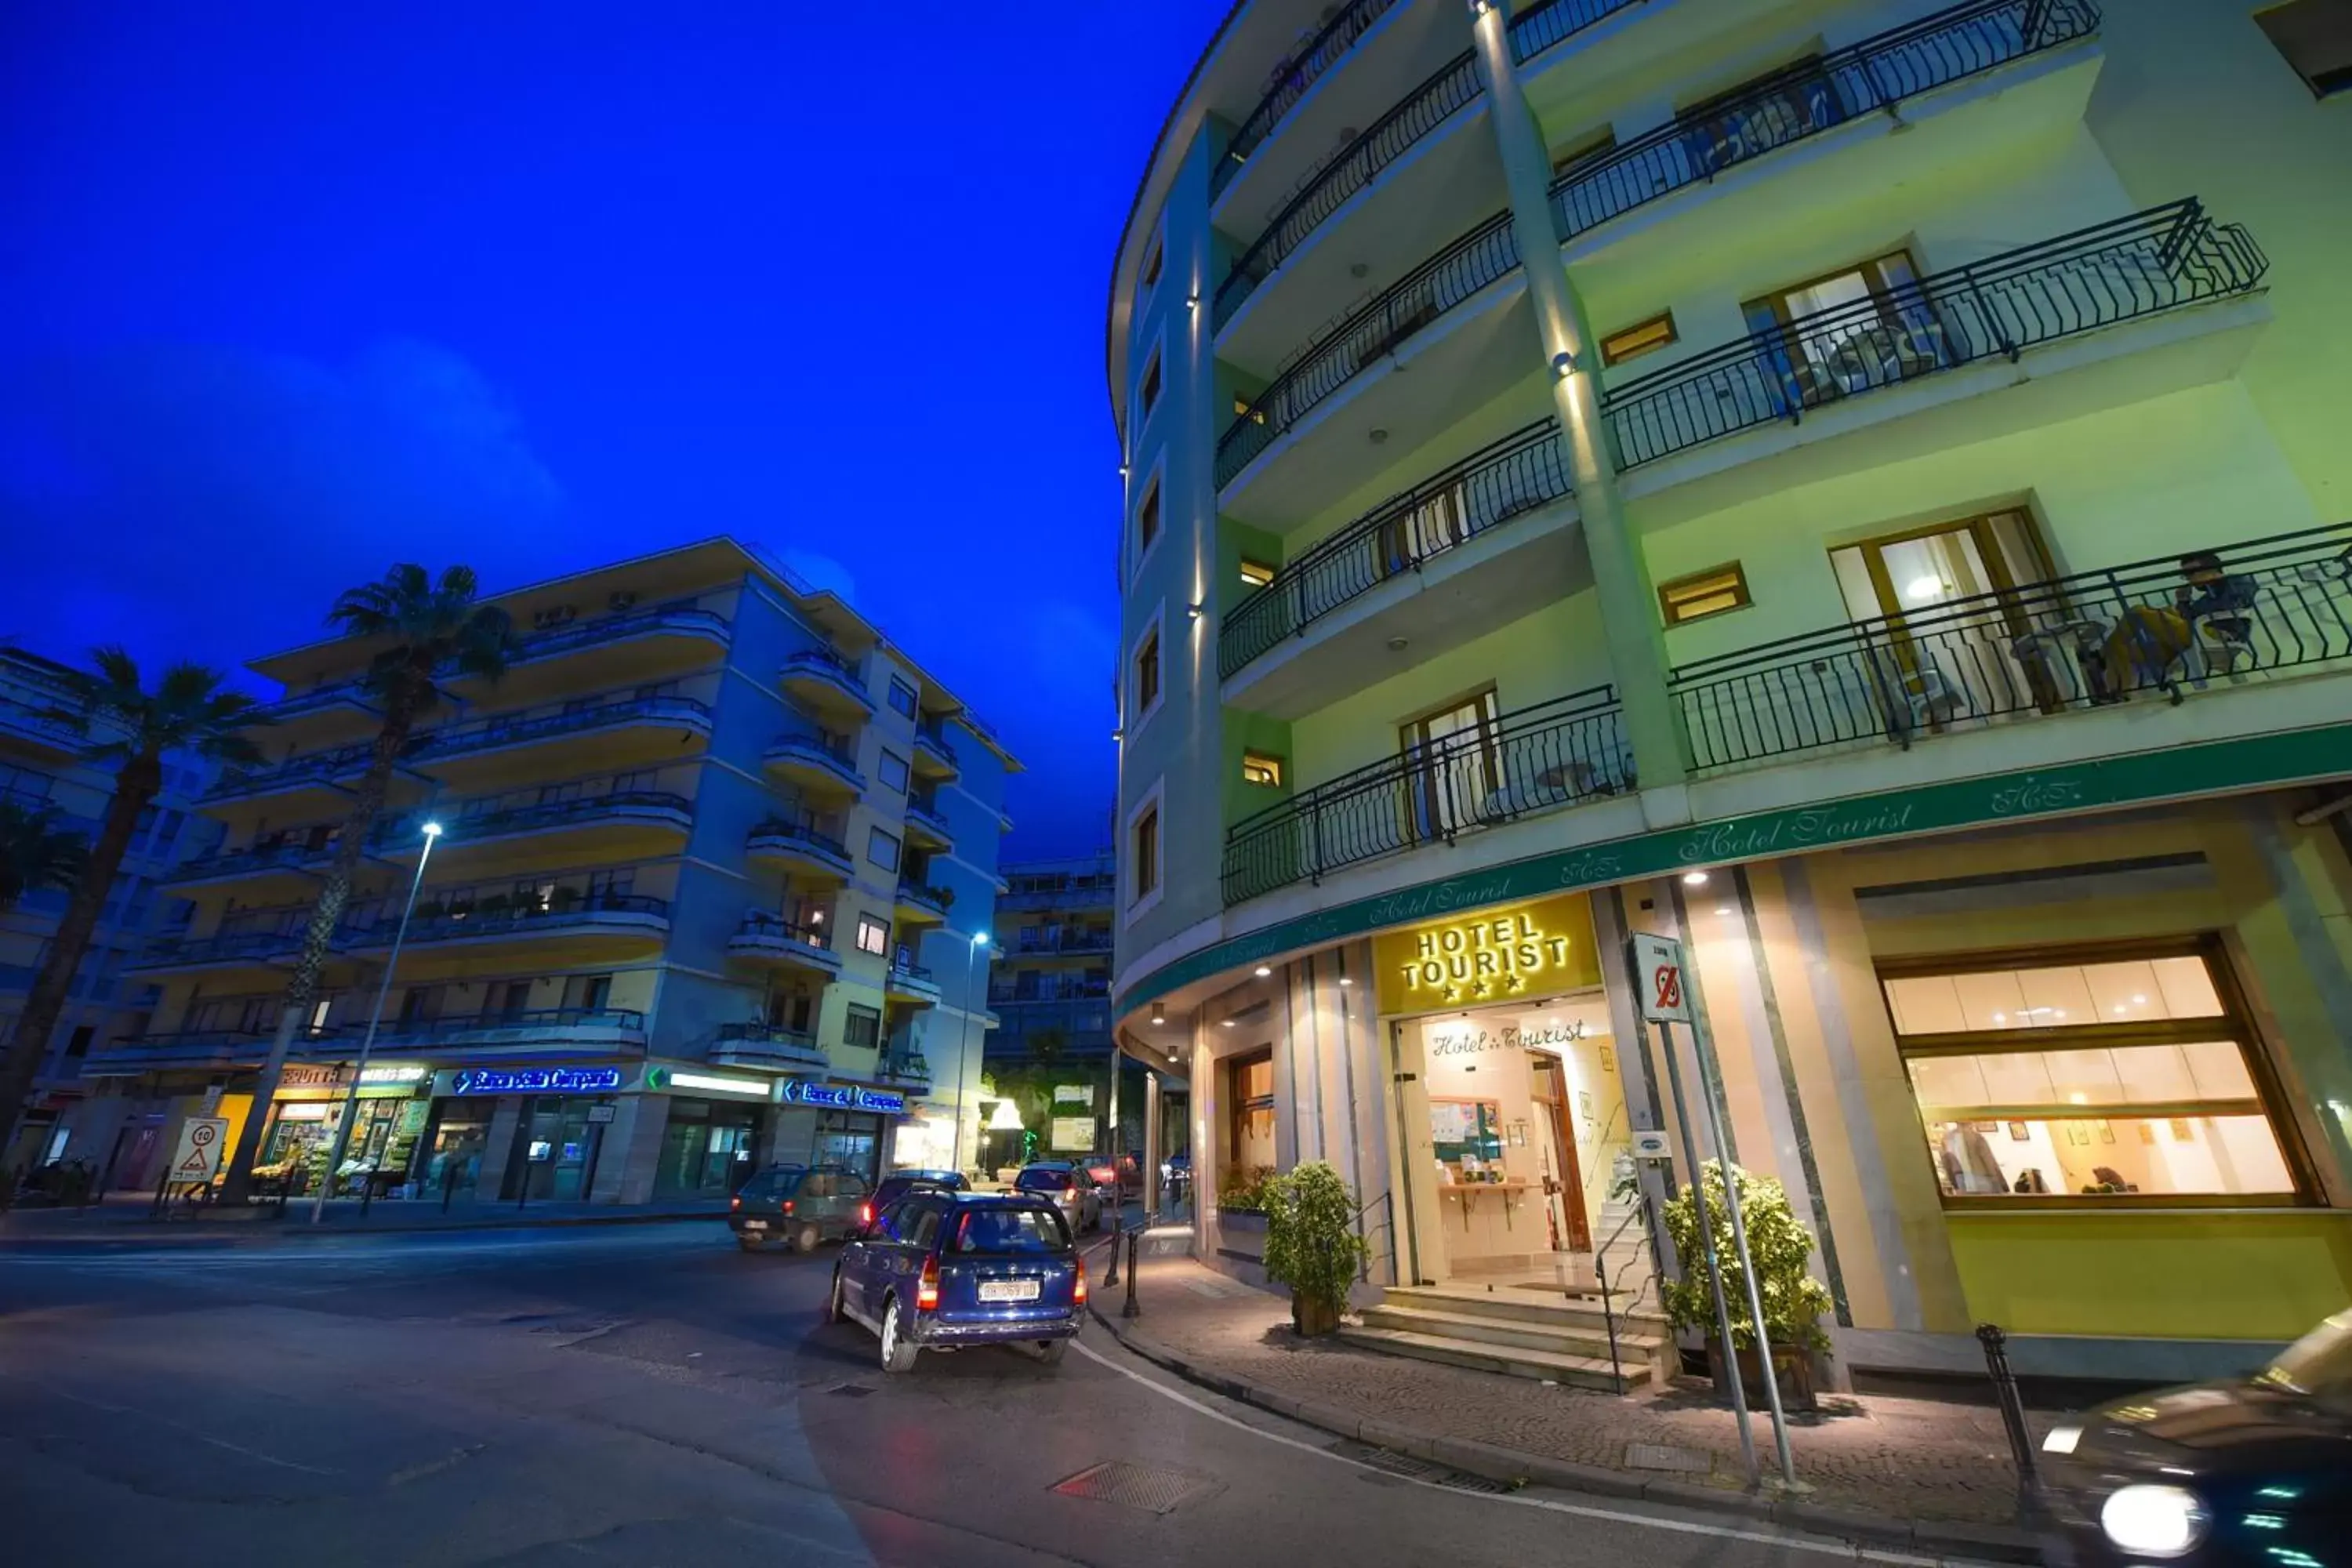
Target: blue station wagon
939, 1271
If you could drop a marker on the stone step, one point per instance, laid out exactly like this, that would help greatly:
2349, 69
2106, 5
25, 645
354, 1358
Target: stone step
1524, 1306
1585, 1371
1632, 1346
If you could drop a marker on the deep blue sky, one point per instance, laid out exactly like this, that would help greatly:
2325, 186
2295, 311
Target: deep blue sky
293, 291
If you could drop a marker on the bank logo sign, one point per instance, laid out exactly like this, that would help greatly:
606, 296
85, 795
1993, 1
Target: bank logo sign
841, 1097
534, 1080
1500, 956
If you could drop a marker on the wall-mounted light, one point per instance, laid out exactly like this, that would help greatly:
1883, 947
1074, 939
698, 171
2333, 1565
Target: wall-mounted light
1191, 302
1122, 470
1118, 735
1694, 878
1192, 611
1159, 1013
1233, 1022
1345, 981
1262, 972
1563, 364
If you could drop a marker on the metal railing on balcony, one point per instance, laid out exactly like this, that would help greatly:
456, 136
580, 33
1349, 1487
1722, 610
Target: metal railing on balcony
2252, 612
1517, 475
684, 617
534, 725
825, 662
318, 767
808, 735
1292, 77
2158, 261
1549, 22
903, 967
769, 1040
802, 831
523, 1021
257, 858
1810, 96
1488, 252
926, 896
1036, 939
181, 1047
489, 917
222, 947
760, 925
467, 826
1537, 759
1072, 989
931, 735
356, 692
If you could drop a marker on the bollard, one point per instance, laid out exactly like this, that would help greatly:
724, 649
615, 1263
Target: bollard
1129, 1310
1111, 1274
2012, 1406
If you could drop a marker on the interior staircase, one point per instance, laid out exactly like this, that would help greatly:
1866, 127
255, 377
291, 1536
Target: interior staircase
1523, 1332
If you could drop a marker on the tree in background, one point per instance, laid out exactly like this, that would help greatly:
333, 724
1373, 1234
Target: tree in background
36, 852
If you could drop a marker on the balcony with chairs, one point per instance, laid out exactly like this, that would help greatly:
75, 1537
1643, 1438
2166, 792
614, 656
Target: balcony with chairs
769, 1047
779, 941
1547, 757
1471, 548
603, 734
797, 844
828, 685
822, 762
522, 1031
935, 753
598, 652
532, 824
927, 825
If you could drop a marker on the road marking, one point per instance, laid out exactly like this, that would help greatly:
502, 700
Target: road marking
1846, 1550
167, 1422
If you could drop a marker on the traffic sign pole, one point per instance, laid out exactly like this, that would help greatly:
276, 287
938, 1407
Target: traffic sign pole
1713, 1266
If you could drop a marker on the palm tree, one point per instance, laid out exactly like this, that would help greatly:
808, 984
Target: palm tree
34, 852
186, 711
426, 626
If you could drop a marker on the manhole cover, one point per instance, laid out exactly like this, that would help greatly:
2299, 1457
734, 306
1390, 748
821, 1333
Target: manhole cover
1666, 1457
1151, 1488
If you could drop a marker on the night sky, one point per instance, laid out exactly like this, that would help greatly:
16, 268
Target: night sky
293, 291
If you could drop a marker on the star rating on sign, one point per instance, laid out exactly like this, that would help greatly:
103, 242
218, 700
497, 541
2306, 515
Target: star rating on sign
1477, 988
1449, 994
1516, 982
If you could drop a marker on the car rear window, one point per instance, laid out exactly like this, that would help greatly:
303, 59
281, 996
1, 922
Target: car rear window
1042, 1181
1012, 1231
773, 1184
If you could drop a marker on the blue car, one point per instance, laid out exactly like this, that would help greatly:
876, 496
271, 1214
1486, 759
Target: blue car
941, 1270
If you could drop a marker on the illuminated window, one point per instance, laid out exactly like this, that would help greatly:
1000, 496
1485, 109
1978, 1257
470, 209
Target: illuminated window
1255, 573
2101, 1081
2315, 37
1712, 591
872, 935
1259, 768
1641, 338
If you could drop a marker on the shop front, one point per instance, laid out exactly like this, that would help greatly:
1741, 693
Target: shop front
388, 1116
845, 1124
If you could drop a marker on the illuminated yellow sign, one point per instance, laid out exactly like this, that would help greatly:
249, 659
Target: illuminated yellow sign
1493, 955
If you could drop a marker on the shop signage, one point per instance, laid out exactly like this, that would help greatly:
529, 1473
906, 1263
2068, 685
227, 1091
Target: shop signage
601, 1115
305, 1075
841, 1097
2216, 767
1074, 1094
1658, 977
1467, 1041
1072, 1134
534, 1080
1498, 955
705, 1083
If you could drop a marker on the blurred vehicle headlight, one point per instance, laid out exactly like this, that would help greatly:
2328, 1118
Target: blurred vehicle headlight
2155, 1521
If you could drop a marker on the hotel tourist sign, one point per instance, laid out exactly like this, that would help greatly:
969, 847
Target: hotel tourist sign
1521, 954
534, 1080
840, 1097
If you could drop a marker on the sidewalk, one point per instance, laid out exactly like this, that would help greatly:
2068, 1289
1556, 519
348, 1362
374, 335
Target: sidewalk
1925, 1474
125, 1217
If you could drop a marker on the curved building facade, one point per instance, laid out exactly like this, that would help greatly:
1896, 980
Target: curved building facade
1850, 487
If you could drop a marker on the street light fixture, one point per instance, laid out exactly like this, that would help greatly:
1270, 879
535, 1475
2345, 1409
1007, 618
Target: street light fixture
971, 955
432, 832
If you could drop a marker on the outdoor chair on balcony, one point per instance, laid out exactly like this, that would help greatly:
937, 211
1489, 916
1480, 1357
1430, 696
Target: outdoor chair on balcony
1922, 697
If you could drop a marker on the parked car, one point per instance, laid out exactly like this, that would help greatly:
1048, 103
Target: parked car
2242, 1470
941, 1270
897, 1185
801, 1204
1067, 1187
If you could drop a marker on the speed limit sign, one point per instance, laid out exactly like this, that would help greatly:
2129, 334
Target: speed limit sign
1658, 972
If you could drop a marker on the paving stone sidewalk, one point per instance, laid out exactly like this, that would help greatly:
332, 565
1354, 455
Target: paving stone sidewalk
1907, 1462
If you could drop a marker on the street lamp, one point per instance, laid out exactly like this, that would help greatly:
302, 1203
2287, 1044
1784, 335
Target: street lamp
978, 940
432, 831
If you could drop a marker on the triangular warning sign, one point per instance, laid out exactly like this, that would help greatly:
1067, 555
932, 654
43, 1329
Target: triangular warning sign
195, 1164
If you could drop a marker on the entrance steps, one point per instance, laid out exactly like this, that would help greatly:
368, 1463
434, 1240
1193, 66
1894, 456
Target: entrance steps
1518, 1332
1632, 1270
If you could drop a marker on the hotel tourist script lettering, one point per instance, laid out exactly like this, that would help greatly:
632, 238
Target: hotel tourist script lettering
1518, 956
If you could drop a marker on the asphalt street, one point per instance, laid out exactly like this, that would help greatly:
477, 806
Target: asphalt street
651, 1396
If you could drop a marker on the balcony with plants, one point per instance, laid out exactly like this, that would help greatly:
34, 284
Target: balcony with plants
910, 982
780, 941
920, 903
927, 823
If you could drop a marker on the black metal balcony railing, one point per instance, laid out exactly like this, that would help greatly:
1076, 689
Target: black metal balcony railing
904, 967
925, 809
769, 1040
2274, 605
401, 832
803, 735
763, 926
1479, 258
181, 1047
355, 691
488, 917
684, 617
528, 1020
1537, 759
238, 862
914, 892
320, 767
1517, 475
904, 1066
222, 947
932, 736
1037, 939
1431, 104
1071, 991
802, 831
2150, 262
510, 728
1292, 78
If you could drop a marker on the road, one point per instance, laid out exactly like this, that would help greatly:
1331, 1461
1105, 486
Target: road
649, 1395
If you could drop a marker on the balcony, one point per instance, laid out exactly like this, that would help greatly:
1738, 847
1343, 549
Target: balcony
2164, 259
1541, 759
769, 1046
1434, 565
772, 940
536, 1030
337, 712
935, 754
799, 845
52, 731
179, 1049
1079, 893
927, 825
626, 646
286, 869
921, 905
312, 786
2280, 607
586, 736
1292, 78
229, 949
1043, 942
617, 826
910, 982
828, 684
904, 1067
567, 925
820, 761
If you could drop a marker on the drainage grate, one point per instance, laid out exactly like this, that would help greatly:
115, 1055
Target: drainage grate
1666, 1457
1154, 1489
1396, 1464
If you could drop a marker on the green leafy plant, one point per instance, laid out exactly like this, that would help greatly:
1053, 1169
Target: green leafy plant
1244, 1189
1311, 1243
1794, 1298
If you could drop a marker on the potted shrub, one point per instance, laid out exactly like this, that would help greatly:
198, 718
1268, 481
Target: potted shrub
1793, 1299
1311, 1244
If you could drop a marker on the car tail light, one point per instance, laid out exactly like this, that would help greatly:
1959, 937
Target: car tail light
865, 1214
734, 1203
788, 1206
1078, 1291
927, 1289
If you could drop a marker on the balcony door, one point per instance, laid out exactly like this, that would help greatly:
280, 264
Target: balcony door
1449, 757
1857, 328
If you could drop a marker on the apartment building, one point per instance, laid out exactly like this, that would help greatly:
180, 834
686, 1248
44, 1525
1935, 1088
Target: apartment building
1051, 970
1854, 486
41, 765
712, 855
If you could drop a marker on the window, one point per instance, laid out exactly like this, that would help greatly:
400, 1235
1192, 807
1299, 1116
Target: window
902, 698
1452, 756
1261, 769
1146, 853
1712, 591
2113, 1079
882, 848
1249, 1094
1147, 391
872, 935
862, 1028
1244, 409
1151, 260
1255, 573
1147, 675
2315, 37
1641, 338
1862, 327
893, 771
1147, 518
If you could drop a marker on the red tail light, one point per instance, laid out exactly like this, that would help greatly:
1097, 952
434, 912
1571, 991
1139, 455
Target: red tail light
788, 1206
865, 1214
927, 1289
1078, 1291
734, 1203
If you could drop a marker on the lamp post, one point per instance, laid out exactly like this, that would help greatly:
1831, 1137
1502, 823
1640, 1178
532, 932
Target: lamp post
978, 940
432, 831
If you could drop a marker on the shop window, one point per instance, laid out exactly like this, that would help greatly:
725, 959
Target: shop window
2315, 37
861, 1029
902, 698
892, 771
1249, 1096
872, 935
882, 848
1255, 573
2106, 1082
1261, 769
1641, 338
1712, 591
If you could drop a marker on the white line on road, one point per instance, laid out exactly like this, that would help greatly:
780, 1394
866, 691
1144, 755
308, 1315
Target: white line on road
1584, 1511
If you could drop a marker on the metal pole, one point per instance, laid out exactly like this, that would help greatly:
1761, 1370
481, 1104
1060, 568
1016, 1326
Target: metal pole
1128, 1308
1995, 1340
1747, 1274
1707, 1241
963, 1047
375, 1017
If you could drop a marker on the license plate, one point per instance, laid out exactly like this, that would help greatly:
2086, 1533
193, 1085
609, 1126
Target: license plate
755, 1225
1010, 1289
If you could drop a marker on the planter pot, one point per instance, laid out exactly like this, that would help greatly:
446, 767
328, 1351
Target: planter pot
1313, 1319
1791, 1365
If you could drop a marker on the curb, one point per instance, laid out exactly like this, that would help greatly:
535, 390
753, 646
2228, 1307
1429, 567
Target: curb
286, 1229
1993, 1543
